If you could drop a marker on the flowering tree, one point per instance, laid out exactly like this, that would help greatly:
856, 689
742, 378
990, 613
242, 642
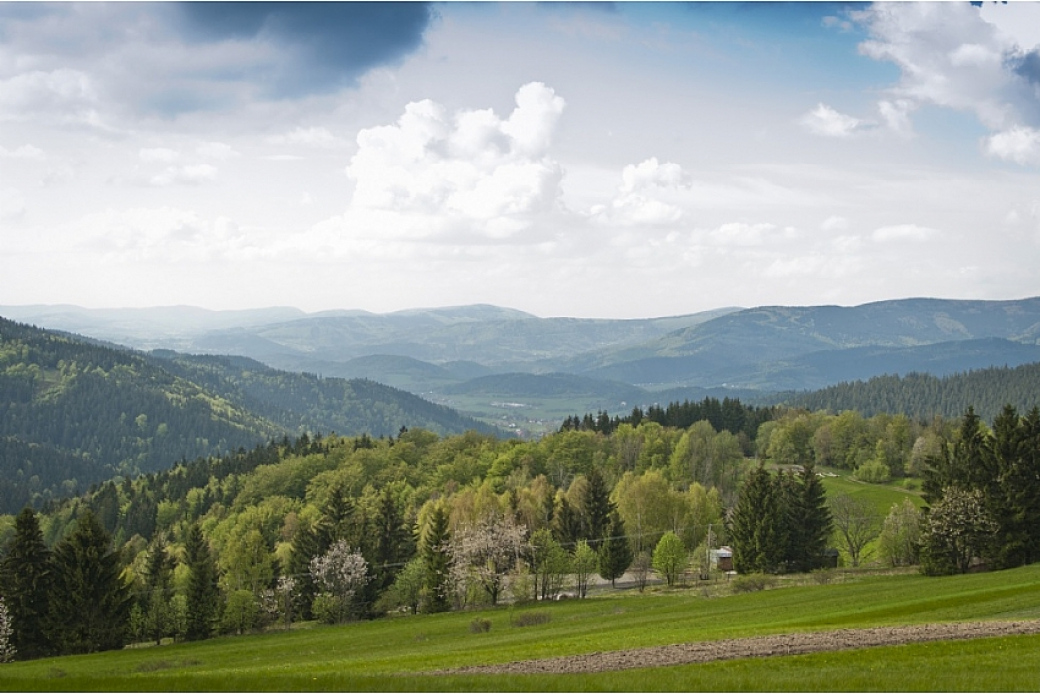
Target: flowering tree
339, 574
483, 553
957, 531
7, 651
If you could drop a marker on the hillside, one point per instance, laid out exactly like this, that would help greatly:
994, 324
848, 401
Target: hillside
923, 396
73, 413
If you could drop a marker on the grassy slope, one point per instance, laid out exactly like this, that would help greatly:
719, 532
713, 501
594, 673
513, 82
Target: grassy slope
388, 654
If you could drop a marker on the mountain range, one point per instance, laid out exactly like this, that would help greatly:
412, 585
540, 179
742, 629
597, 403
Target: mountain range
473, 357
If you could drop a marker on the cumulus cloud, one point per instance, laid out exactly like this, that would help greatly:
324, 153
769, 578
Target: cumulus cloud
433, 173
955, 55
191, 174
63, 96
1019, 144
167, 233
651, 193
824, 120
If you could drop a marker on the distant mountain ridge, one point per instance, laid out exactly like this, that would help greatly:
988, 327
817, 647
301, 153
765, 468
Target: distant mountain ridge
436, 352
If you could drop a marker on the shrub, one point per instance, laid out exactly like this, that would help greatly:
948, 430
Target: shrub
480, 626
750, 583
532, 618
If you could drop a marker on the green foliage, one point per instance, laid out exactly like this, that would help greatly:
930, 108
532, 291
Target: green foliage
241, 613
26, 579
202, 593
90, 599
900, 541
752, 583
670, 558
615, 553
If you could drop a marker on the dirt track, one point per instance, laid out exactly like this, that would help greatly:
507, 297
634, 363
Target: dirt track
757, 647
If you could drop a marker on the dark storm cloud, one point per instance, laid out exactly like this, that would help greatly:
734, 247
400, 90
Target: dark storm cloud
330, 44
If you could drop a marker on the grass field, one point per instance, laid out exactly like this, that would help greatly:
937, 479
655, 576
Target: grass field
398, 654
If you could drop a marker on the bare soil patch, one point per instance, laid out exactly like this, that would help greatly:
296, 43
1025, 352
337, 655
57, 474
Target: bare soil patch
756, 647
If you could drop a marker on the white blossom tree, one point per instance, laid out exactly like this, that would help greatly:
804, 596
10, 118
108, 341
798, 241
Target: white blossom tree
7, 650
339, 574
957, 530
484, 552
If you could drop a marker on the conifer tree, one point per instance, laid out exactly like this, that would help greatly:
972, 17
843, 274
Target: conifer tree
756, 525
158, 591
90, 599
615, 552
436, 561
202, 593
26, 575
596, 508
809, 521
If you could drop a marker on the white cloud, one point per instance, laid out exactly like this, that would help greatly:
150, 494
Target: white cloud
1020, 145
430, 174
742, 234
951, 56
824, 120
834, 223
12, 204
651, 193
23, 152
217, 151
166, 233
903, 232
62, 96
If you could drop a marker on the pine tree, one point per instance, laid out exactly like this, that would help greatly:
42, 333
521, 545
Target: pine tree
566, 523
393, 545
306, 545
90, 599
25, 581
202, 592
615, 553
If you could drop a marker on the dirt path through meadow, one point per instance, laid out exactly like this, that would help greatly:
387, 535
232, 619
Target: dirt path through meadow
756, 647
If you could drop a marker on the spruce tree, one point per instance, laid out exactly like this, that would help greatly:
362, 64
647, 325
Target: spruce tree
202, 593
810, 521
756, 525
615, 553
91, 600
436, 561
158, 575
596, 508
26, 575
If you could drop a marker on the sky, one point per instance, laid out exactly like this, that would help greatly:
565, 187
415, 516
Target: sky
619, 160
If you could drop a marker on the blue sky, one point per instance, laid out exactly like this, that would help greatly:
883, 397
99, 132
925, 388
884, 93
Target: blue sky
600, 160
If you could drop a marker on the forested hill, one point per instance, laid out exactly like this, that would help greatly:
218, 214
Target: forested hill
73, 413
923, 395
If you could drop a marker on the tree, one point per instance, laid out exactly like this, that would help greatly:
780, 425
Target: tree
7, 649
407, 589
756, 525
641, 569
596, 507
957, 530
90, 598
900, 541
26, 575
483, 553
584, 562
670, 558
809, 521
393, 544
856, 522
435, 554
339, 574
202, 593
241, 612
156, 605
549, 564
615, 554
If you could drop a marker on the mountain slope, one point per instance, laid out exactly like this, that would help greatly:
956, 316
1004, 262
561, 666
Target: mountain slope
73, 412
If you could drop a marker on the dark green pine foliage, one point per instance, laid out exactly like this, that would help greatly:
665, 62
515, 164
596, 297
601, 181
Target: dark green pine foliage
756, 525
155, 602
1013, 496
436, 561
615, 552
566, 524
809, 521
90, 599
596, 508
25, 583
202, 592
306, 544
393, 542
967, 463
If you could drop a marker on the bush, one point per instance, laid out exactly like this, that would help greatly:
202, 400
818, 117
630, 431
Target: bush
750, 583
532, 618
480, 626
873, 471
822, 576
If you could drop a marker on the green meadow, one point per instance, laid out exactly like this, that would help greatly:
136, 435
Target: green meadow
401, 653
